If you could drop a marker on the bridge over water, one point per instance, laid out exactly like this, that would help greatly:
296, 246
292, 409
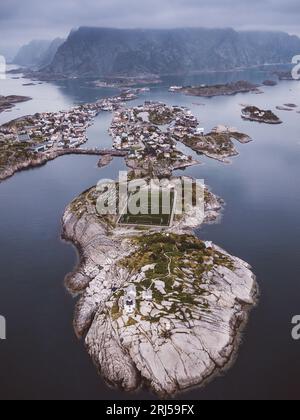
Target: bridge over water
95, 152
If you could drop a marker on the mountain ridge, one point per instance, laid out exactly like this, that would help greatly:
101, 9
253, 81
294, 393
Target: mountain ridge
103, 52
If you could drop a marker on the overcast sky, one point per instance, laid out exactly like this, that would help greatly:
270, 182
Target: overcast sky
24, 20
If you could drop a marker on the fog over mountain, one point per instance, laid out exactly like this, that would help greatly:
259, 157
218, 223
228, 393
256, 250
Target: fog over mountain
107, 52
22, 21
37, 53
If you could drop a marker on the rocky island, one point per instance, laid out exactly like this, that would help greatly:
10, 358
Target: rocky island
270, 83
126, 82
252, 113
8, 102
158, 306
217, 90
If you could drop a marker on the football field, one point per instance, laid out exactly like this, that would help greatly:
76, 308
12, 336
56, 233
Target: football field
149, 208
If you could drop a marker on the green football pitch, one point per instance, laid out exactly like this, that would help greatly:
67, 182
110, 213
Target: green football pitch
155, 210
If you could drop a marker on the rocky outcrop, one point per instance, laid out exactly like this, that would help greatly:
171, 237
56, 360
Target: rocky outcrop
175, 353
40, 159
188, 331
28, 163
105, 160
216, 145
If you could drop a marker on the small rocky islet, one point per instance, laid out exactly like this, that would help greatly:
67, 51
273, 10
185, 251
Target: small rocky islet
287, 107
210, 91
253, 113
9, 102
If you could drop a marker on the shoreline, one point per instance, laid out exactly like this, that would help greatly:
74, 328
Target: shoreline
31, 75
82, 282
42, 160
32, 140
236, 344
254, 114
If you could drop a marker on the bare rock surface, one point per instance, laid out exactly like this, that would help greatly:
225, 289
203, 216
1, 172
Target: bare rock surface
191, 299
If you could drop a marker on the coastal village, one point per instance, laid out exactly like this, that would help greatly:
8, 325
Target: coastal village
144, 132
147, 135
151, 134
33, 140
59, 130
138, 128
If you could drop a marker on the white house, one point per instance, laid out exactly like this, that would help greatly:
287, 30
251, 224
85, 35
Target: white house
129, 301
200, 131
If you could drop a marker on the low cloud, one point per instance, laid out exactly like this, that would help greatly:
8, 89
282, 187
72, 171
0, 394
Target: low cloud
21, 21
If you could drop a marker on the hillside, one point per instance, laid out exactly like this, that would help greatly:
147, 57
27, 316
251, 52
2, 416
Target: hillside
106, 52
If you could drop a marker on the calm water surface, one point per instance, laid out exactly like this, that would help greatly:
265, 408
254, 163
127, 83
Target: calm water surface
41, 358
